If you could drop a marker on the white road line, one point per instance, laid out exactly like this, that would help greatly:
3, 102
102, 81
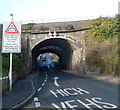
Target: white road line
37, 103
43, 84
39, 89
46, 76
36, 99
45, 80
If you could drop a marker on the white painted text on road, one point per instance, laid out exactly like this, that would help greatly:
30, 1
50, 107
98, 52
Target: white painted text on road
69, 92
93, 102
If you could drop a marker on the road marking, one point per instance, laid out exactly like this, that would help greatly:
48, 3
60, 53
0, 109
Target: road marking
55, 81
69, 92
37, 103
46, 76
39, 89
87, 103
43, 83
45, 80
36, 99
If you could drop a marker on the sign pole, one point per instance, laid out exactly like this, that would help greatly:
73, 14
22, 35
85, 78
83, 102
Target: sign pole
11, 42
10, 72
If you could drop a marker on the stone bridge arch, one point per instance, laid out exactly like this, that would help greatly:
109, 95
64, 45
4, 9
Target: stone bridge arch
70, 51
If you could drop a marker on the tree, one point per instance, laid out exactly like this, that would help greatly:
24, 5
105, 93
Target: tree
102, 28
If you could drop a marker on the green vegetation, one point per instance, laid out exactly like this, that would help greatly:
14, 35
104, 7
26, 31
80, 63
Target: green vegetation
17, 65
102, 45
101, 29
5, 66
30, 26
55, 57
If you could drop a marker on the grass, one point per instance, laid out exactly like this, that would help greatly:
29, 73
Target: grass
16, 66
5, 66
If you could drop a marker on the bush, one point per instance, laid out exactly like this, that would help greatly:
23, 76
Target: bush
17, 65
5, 66
102, 46
101, 29
29, 26
104, 56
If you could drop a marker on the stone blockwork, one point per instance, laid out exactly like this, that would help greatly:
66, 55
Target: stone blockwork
70, 32
58, 26
30, 40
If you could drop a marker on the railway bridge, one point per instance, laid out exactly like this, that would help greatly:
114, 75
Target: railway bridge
67, 45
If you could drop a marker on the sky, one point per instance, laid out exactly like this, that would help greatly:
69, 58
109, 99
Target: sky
41, 10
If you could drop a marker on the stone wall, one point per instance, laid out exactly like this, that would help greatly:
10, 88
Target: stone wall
29, 41
70, 25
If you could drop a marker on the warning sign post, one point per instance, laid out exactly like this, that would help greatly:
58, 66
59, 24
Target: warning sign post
12, 28
11, 42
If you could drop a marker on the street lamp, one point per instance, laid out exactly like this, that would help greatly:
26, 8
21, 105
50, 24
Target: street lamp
11, 16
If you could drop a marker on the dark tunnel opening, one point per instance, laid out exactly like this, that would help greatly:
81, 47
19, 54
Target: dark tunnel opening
60, 47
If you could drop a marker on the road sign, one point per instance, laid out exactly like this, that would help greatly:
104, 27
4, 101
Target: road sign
12, 28
11, 41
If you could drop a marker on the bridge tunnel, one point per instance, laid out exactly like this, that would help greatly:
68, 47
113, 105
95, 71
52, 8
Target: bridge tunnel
61, 47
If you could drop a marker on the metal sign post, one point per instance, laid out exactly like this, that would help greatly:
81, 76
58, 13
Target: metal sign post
10, 72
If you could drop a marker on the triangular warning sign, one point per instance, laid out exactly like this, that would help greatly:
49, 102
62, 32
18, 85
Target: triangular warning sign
11, 28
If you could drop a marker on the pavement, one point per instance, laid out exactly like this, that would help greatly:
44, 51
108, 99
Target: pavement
22, 91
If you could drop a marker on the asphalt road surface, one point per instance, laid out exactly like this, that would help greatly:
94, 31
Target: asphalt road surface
63, 91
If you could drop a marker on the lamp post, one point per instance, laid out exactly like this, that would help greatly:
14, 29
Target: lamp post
11, 16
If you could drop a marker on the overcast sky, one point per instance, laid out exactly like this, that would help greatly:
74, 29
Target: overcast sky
24, 10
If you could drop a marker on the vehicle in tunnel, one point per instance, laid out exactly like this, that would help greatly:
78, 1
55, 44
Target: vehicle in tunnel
45, 60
